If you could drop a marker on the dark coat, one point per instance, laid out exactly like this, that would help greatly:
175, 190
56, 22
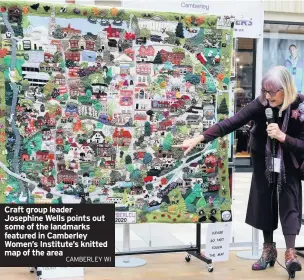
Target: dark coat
262, 211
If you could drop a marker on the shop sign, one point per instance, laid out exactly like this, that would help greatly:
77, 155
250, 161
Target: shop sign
248, 15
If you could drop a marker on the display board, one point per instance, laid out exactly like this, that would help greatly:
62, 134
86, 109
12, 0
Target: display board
93, 98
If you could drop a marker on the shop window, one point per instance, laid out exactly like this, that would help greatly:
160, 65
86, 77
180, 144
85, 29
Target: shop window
244, 90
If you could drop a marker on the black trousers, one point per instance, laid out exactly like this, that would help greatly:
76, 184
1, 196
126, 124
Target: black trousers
264, 207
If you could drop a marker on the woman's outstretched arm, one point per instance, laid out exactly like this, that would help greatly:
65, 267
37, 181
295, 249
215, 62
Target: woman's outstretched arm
224, 127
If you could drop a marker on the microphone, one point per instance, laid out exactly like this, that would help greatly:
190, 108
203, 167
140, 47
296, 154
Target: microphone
269, 115
270, 119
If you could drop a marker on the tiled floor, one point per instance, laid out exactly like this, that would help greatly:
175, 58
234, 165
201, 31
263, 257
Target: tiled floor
151, 236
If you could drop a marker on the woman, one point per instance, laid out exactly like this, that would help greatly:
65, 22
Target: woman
279, 94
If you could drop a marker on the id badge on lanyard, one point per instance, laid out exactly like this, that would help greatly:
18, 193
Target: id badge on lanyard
277, 165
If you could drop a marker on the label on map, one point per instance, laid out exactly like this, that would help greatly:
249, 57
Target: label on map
125, 217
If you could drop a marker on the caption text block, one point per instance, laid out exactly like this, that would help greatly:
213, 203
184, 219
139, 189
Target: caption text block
69, 235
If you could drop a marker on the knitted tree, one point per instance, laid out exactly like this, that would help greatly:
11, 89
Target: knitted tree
223, 109
181, 206
158, 59
201, 203
179, 31
168, 142
147, 158
147, 129
128, 159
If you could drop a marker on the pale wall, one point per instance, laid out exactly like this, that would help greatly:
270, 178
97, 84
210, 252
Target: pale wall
288, 10
287, 6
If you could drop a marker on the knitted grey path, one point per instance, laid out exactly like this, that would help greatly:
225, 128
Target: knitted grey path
15, 90
31, 184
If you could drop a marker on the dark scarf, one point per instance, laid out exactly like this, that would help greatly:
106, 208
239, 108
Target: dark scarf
269, 160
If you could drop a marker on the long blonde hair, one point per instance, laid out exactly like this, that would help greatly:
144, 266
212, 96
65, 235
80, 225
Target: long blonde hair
279, 77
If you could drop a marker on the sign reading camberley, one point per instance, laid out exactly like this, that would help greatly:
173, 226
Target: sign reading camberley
194, 5
249, 15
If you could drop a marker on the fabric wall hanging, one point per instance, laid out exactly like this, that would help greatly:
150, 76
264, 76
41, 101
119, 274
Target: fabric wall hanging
93, 98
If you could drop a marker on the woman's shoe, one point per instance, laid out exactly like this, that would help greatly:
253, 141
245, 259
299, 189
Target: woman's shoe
292, 263
269, 256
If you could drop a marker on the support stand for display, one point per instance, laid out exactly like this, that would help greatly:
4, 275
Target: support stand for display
126, 261
254, 254
192, 251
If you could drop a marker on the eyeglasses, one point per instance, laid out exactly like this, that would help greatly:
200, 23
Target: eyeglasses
271, 93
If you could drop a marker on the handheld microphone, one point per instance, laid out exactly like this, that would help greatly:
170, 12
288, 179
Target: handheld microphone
269, 115
270, 119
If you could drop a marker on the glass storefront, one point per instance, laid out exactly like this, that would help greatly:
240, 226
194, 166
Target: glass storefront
283, 45
244, 94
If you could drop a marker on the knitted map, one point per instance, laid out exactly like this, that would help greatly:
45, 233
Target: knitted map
93, 98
